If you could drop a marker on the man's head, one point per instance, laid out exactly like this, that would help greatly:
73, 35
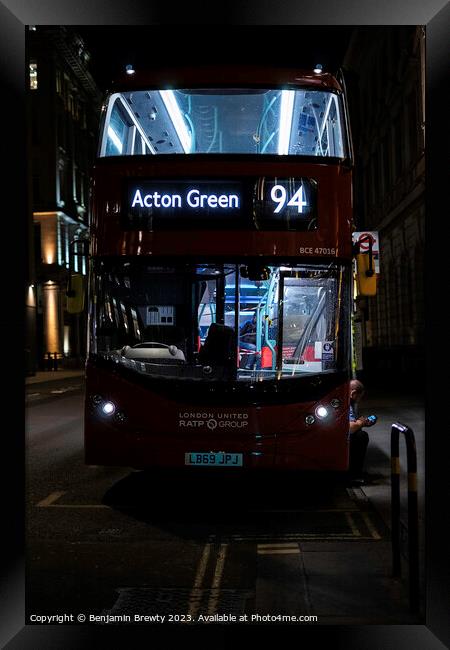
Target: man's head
356, 390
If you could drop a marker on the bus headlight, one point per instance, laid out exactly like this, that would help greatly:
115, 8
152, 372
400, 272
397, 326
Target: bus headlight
335, 403
108, 408
322, 412
310, 419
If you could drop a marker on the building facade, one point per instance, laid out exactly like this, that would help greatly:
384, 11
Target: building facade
386, 71
63, 118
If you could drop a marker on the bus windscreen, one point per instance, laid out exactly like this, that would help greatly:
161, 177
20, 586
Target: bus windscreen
301, 122
216, 321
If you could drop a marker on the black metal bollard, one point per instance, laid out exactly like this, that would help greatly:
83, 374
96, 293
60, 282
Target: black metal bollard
49, 364
55, 361
413, 514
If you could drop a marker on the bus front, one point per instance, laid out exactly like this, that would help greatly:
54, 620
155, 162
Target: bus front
221, 272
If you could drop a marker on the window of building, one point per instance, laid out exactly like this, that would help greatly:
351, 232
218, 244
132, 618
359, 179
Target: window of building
62, 178
71, 105
75, 258
66, 244
59, 83
65, 91
75, 183
33, 75
82, 188
60, 243
61, 130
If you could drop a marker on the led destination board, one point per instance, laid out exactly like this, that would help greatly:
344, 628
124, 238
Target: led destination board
285, 204
166, 198
193, 199
250, 204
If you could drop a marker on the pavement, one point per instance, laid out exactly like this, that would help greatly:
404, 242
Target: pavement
42, 377
46, 385
407, 409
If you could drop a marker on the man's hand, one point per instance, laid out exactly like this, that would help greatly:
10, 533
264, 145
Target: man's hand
365, 422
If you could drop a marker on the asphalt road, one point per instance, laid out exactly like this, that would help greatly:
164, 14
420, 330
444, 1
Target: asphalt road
117, 542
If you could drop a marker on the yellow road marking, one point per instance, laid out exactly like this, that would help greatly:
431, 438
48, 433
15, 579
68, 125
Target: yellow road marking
279, 551
54, 496
351, 523
371, 528
217, 579
195, 595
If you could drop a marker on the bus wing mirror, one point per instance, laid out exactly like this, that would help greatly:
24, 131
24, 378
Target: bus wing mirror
366, 278
75, 294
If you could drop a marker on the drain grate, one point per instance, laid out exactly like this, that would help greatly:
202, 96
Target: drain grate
175, 600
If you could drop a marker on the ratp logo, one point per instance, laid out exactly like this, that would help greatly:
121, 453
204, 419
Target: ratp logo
212, 421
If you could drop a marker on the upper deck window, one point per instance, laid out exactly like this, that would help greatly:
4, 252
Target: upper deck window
299, 122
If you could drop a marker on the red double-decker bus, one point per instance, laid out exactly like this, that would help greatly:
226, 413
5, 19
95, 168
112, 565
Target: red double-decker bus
221, 271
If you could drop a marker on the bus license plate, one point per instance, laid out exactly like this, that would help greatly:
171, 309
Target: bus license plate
213, 460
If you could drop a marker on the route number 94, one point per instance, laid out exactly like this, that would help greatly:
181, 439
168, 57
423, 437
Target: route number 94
279, 196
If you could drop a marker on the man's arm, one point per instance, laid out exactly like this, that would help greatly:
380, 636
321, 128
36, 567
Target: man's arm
357, 425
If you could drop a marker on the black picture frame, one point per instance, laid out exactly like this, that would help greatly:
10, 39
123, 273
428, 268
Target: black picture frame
15, 15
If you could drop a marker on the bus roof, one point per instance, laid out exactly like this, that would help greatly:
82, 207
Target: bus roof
224, 76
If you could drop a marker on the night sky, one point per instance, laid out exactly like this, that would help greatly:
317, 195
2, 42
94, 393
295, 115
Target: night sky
112, 48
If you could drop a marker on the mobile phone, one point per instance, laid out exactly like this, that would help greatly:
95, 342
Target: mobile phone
372, 418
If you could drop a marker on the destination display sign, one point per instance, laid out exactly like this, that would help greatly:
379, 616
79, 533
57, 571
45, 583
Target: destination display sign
160, 203
249, 204
286, 204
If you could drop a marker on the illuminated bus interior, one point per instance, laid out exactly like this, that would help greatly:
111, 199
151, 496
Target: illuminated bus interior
300, 122
216, 321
